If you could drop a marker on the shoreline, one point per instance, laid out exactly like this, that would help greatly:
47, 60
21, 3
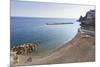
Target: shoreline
80, 49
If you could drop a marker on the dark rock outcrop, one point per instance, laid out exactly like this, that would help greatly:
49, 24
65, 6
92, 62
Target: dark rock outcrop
27, 48
88, 21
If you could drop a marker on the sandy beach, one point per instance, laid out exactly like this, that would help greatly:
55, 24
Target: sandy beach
80, 49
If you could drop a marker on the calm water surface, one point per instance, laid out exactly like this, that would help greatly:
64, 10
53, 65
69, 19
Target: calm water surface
35, 30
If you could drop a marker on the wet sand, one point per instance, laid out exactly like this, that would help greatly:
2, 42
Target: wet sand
80, 49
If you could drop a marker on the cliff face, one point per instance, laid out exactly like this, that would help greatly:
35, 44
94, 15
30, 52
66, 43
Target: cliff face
88, 20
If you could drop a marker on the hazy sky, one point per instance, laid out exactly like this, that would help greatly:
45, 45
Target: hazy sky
53, 10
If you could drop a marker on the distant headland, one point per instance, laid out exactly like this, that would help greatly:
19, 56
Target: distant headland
88, 21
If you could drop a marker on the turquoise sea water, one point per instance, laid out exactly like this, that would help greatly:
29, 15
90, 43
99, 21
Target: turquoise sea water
35, 30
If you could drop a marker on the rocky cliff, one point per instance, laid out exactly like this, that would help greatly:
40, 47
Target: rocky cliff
88, 21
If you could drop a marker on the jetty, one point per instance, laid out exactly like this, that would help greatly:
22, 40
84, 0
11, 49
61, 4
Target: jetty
58, 23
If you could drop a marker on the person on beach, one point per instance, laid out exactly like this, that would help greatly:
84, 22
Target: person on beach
34, 46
